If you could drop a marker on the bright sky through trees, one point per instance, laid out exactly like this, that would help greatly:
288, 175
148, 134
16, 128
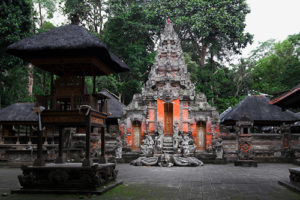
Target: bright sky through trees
274, 19
268, 19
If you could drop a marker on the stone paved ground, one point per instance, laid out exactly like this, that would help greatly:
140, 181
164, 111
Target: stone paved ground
219, 182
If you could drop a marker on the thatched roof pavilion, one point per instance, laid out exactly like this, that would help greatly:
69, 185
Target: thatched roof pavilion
258, 110
68, 49
18, 113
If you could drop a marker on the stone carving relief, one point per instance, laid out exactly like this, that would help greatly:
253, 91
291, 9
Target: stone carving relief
188, 146
219, 148
119, 146
159, 138
147, 146
177, 139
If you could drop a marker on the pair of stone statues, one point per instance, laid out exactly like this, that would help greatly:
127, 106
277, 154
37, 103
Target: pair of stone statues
181, 144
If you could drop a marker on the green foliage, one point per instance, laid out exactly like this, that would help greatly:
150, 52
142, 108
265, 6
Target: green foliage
215, 81
215, 24
91, 12
211, 29
47, 26
130, 37
279, 69
15, 24
48, 5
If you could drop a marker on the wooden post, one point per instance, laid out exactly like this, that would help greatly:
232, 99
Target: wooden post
94, 84
39, 161
52, 91
1, 132
87, 161
82, 84
102, 158
51, 85
46, 137
59, 159
29, 135
18, 135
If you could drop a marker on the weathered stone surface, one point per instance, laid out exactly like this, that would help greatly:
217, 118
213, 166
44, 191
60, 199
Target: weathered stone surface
66, 176
168, 104
199, 183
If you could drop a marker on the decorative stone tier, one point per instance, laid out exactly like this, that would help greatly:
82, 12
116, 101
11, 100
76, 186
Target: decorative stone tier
67, 176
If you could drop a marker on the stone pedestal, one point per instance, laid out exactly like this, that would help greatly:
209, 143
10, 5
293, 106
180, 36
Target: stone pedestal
294, 183
67, 176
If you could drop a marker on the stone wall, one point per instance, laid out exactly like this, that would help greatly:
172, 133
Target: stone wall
266, 147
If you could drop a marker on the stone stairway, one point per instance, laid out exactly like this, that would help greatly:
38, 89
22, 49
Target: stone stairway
168, 145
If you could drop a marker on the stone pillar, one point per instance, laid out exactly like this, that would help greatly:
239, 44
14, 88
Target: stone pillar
87, 160
29, 135
46, 138
60, 159
18, 135
39, 161
102, 158
94, 84
1, 132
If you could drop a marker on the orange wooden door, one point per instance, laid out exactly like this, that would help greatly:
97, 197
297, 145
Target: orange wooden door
168, 121
136, 134
201, 134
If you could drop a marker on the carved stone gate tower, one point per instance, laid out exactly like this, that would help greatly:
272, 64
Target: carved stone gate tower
169, 98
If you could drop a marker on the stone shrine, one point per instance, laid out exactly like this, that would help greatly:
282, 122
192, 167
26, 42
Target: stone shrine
168, 110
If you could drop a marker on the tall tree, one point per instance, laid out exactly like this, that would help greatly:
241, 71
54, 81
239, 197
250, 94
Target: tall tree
91, 12
208, 24
15, 24
49, 6
129, 35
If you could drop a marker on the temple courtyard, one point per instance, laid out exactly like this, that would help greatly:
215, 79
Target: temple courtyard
207, 182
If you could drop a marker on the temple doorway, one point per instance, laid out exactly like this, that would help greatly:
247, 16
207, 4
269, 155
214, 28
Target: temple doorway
168, 121
201, 134
136, 134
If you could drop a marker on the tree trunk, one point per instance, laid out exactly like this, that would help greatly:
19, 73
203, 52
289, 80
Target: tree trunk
196, 45
30, 79
212, 74
41, 16
44, 82
203, 53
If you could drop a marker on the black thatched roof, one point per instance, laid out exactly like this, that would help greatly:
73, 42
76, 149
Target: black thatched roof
290, 99
115, 107
70, 41
18, 112
225, 112
258, 110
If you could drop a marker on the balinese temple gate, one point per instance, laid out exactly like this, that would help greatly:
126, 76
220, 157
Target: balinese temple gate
168, 104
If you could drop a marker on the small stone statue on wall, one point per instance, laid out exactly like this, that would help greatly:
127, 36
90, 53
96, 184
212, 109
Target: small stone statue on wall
159, 138
177, 139
119, 146
219, 148
147, 146
188, 146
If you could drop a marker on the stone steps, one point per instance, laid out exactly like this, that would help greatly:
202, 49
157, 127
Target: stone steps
168, 145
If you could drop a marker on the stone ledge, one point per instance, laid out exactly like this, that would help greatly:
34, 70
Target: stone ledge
99, 191
289, 186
